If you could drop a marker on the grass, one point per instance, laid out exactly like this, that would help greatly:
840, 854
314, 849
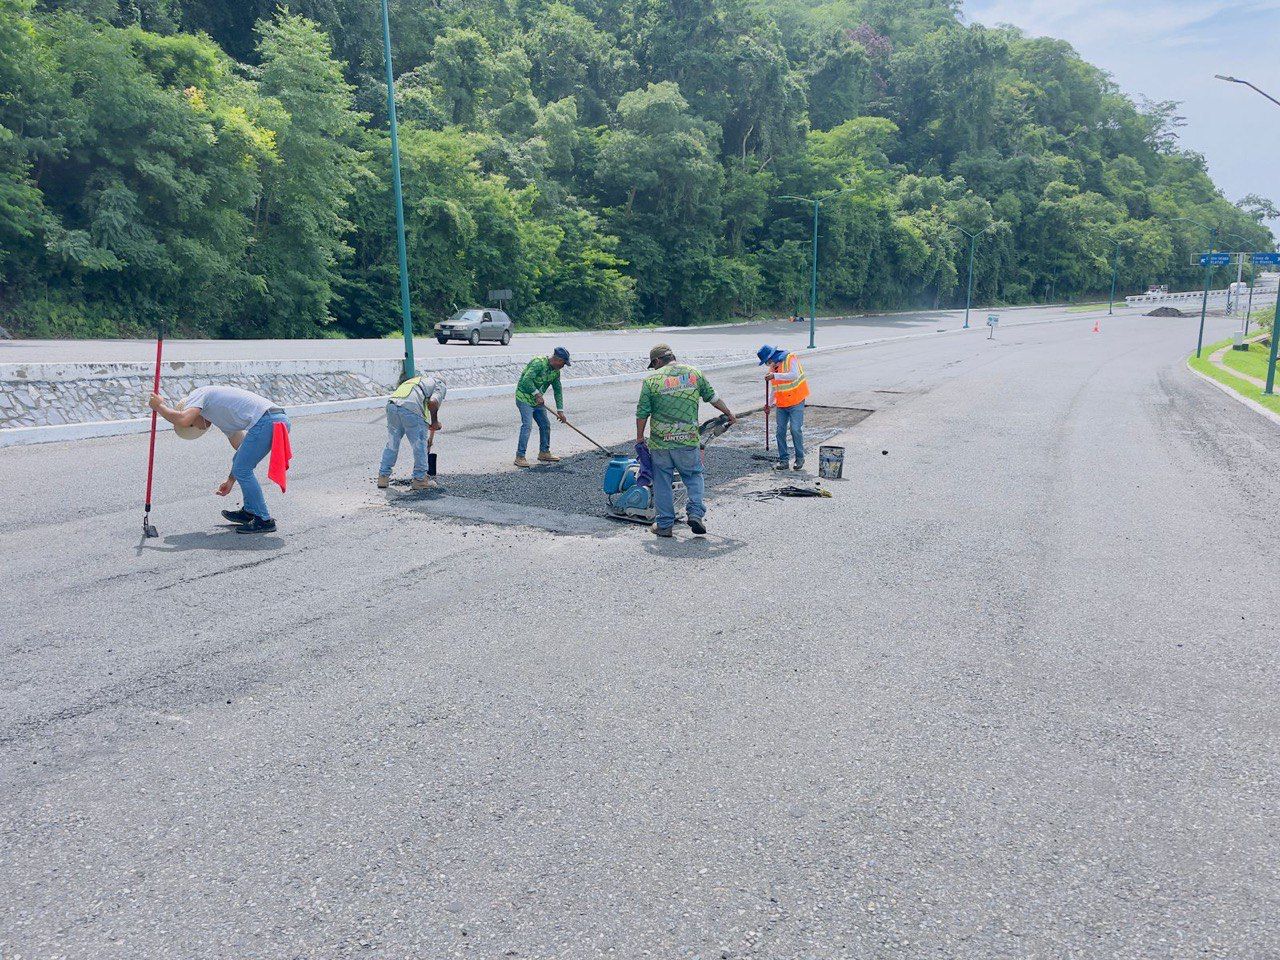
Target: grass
1087, 307
1252, 361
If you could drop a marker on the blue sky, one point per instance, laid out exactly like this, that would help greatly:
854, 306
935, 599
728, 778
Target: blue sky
1170, 50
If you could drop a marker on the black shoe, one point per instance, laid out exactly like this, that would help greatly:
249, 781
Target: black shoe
257, 525
697, 526
238, 516
799, 465
781, 465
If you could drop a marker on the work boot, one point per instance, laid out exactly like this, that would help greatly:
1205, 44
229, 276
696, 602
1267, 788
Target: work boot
662, 531
419, 484
781, 465
522, 462
697, 526
799, 465
238, 516
546, 456
257, 525
384, 481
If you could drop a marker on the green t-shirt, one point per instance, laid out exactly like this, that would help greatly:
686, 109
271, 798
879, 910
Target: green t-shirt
537, 376
669, 397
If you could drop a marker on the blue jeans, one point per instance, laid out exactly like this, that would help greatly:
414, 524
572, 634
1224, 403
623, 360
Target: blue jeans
253, 448
790, 419
405, 422
688, 460
529, 413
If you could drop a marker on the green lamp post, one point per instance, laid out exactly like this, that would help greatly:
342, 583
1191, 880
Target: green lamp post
405, 315
813, 278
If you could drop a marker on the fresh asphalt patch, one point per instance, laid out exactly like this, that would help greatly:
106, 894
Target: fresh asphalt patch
568, 497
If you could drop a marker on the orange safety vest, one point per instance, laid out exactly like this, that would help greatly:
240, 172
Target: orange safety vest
789, 393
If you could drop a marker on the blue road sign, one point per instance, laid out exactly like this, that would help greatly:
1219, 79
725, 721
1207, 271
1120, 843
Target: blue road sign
1216, 259
992, 319
1266, 258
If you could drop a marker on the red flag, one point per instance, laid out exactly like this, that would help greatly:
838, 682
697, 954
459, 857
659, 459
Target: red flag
281, 454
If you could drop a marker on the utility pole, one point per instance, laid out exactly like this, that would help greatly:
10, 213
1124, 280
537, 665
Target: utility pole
968, 300
813, 278
1208, 274
405, 315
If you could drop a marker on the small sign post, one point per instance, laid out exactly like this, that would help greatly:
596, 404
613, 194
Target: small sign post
993, 320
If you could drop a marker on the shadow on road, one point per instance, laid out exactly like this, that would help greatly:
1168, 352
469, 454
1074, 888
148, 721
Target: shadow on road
226, 540
684, 546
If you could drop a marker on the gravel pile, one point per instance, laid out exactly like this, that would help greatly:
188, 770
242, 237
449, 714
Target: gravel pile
573, 486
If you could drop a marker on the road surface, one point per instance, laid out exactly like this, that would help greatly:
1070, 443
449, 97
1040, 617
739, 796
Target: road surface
1011, 692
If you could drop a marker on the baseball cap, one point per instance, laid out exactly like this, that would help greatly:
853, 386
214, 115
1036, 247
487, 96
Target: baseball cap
659, 355
563, 354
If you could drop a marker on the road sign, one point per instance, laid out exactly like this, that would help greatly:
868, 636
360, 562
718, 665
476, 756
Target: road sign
1266, 258
499, 295
1215, 259
992, 319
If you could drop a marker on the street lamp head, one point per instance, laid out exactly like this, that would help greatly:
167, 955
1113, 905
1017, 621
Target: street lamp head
1219, 76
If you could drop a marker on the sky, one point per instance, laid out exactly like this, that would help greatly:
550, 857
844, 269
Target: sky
1170, 50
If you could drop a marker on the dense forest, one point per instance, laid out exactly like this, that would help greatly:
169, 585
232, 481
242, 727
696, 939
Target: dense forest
224, 165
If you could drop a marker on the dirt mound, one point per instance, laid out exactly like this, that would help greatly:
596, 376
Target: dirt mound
1167, 312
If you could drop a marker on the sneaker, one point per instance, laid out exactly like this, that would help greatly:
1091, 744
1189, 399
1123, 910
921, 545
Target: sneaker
781, 465
419, 484
257, 525
546, 456
238, 516
662, 531
799, 465
697, 526
384, 481
522, 462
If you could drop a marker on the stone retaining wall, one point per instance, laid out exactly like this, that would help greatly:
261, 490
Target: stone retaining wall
51, 394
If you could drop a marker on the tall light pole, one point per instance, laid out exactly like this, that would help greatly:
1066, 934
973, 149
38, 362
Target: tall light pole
813, 281
1275, 321
405, 316
1208, 275
973, 243
1115, 268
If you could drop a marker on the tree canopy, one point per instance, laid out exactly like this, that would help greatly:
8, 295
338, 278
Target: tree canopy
223, 165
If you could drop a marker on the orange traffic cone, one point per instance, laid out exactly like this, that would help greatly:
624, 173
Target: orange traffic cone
1097, 326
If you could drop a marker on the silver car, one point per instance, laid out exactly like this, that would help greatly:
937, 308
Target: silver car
475, 325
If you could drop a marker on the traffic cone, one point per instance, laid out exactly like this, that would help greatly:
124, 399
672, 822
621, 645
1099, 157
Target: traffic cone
1097, 326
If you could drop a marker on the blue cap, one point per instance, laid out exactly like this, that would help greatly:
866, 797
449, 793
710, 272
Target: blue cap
764, 353
778, 356
563, 354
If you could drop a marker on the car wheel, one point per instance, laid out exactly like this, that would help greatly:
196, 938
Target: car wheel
506, 337
442, 340
474, 339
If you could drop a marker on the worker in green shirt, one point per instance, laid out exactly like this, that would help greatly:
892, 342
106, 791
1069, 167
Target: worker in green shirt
539, 373
669, 399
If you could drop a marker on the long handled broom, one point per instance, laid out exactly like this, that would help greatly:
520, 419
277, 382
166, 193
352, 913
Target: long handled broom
147, 529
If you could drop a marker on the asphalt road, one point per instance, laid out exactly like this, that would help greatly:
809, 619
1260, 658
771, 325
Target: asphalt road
1009, 693
689, 339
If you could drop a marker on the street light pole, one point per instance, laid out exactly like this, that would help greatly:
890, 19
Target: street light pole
968, 300
813, 277
813, 281
1208, 275
405, 315
1275, 341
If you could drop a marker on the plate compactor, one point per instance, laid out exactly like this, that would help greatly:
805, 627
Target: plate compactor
628, 487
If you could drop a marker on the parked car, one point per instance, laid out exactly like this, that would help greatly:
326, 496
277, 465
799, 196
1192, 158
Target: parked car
474, 325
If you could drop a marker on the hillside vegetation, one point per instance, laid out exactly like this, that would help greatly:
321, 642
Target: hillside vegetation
223, 165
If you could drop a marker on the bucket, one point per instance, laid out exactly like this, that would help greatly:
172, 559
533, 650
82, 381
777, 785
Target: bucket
831, 462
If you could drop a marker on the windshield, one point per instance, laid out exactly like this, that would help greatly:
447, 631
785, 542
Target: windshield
467, 315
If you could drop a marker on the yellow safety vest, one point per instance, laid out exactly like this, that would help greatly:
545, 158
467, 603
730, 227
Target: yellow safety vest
788, 393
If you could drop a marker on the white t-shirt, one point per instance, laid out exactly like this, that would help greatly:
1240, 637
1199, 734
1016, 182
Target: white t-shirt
230, 409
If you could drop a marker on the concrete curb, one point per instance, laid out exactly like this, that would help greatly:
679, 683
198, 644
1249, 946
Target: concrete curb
1235, 395
26, 436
